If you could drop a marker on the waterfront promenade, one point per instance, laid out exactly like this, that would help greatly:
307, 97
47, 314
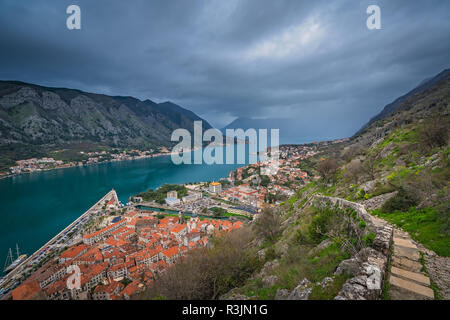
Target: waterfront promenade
15, 275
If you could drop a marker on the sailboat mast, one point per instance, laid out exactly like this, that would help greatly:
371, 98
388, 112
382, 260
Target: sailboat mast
9, 259
17, 251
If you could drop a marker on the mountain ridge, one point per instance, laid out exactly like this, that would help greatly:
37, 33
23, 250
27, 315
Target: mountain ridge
390, 108
39, 115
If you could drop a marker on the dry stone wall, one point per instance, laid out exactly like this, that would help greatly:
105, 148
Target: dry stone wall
368, 268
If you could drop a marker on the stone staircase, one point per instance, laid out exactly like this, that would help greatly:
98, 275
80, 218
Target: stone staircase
406, 279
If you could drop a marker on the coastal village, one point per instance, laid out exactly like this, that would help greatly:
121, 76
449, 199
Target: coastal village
120, 249
122, 258
85, 158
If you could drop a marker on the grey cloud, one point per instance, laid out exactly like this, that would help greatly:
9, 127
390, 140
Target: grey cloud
313, 61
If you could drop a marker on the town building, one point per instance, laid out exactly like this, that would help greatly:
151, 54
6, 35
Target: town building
215, 187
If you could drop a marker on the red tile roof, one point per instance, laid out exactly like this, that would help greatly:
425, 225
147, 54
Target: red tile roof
73, 252
27, 291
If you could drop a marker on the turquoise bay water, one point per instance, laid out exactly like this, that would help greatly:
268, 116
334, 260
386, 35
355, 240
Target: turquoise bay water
36, 206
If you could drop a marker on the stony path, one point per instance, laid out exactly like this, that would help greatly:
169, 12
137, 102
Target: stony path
406, 279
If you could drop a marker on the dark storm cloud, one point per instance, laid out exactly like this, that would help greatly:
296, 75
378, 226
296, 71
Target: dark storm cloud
312, 61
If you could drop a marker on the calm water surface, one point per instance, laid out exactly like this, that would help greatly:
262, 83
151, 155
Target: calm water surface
36, 206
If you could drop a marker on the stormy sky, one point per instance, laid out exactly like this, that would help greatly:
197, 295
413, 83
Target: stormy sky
313, 64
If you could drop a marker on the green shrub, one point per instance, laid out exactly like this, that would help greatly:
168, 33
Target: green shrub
270, 254
330, 291
319, 225
402, 201
368, 239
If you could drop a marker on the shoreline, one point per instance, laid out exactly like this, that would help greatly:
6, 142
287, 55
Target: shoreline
96, 163
84, 165
103, 162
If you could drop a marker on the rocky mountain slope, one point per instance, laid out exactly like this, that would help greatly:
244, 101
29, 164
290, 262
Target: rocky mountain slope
36, 115
432, 96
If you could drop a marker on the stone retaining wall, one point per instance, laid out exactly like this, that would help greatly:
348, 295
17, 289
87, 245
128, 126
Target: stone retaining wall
368, 268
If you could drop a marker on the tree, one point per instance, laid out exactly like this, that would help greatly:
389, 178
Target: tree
354, 170
368, 166
268, 224
352, 152
434, 132
327, 168
265, 180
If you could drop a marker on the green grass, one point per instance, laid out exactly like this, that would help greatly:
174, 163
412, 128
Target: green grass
230, 214
298, 266
324, 264
424, 226
330, 291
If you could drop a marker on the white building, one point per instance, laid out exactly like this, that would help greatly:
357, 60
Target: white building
172, 201
215, 187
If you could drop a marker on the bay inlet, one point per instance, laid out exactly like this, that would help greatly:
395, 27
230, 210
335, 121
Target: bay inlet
36, 206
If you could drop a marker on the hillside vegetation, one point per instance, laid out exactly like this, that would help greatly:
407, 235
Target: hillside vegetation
398, 167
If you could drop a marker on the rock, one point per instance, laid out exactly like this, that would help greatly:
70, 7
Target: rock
353, 289
349, 266
269, 281
269, 266
439, 271
302, 291
369, 185
237, 296
325, 282
262, 254
282, 294
282, 248
323, 245
368, 278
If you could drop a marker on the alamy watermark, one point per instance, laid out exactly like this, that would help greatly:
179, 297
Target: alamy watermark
73, 21
374, 20
73, 282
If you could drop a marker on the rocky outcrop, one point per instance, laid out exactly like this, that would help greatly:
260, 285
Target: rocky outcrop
269, 281
368, 269
282, 294
302, 291
438, 269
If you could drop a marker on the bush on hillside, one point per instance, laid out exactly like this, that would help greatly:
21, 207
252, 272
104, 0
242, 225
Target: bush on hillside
327, 168
208, 273
268, 225
434, 132
402, 201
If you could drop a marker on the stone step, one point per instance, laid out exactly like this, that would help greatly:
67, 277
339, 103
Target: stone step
401, 234
414, 276
404, 252
401, 289
404, 243
405, 263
